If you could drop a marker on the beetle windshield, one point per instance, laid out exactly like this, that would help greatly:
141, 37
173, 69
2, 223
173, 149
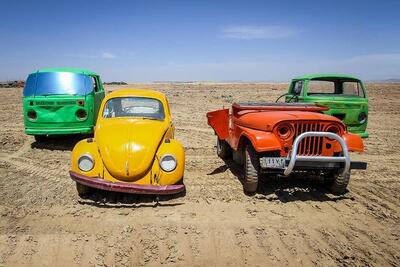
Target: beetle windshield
134, 107
335, 87
58, 83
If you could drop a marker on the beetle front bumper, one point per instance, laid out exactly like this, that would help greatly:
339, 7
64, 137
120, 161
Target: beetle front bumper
125, 187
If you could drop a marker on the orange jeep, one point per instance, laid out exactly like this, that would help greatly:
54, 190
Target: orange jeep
285, 138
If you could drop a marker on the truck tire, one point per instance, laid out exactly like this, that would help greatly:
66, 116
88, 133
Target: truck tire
251, 170
223, 149
338, 183
82, 189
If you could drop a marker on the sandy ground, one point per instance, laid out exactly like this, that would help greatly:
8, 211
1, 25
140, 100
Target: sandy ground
291, 222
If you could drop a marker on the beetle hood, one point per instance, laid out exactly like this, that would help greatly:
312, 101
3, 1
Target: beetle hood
128, 146
266, 120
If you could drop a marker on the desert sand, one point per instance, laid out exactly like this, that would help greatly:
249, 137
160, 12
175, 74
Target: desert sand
43, 222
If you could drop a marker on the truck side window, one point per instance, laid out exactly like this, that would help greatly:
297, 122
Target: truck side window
297, 87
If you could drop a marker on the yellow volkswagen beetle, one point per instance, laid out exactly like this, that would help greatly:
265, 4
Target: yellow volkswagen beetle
133, 149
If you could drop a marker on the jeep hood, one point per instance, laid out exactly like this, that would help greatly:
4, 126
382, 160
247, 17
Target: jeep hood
266, 120
127, 146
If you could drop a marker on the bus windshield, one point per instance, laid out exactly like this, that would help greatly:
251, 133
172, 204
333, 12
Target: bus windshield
58, 83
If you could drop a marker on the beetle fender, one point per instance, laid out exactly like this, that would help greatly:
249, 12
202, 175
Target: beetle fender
175, 148
87, 146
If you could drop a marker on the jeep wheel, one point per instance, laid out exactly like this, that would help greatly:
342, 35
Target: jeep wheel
223, 149
251, 170
82, 189
338, 183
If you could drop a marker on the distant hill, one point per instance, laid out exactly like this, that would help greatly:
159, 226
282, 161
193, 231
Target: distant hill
385, 81
8, 84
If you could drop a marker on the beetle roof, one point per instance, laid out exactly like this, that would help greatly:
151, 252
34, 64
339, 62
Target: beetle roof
73, 70
135, 92
325, 76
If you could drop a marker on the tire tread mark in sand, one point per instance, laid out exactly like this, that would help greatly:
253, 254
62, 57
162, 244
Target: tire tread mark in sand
46, 251
318, 247
25, 248
366, 242
374, 205
9, 248
25, 148
379, 194
286, 238
250, 248
65, 252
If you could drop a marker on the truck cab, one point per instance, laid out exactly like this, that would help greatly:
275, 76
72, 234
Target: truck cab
345, 95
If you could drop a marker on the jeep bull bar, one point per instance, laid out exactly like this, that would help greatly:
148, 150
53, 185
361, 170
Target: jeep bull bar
302, 162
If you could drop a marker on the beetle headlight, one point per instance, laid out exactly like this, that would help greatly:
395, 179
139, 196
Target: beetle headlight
85, 162
168, 163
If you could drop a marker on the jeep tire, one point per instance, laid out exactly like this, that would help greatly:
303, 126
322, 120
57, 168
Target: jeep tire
251, 170
223, 149
338, 183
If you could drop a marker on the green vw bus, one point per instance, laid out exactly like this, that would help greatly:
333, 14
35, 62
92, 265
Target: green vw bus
61, 101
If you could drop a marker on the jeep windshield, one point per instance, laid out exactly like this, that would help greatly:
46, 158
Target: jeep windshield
58, 83
143, 107
342, 87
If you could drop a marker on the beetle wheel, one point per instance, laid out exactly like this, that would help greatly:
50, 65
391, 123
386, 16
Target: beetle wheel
223, 149
82, 189
251, 170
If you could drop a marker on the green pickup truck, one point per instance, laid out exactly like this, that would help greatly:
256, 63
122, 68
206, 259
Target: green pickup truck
61, 101
345, 96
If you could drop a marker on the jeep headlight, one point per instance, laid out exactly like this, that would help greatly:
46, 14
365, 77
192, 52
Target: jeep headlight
168, 163
85, 162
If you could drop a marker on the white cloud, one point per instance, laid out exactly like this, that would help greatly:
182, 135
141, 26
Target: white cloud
258, 32
107, 55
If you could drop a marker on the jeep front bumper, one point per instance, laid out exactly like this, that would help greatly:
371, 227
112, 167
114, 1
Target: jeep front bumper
295, 162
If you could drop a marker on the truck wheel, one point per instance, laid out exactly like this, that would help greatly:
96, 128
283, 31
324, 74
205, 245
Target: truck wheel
251, 170
338, 183
82, 189
223, 149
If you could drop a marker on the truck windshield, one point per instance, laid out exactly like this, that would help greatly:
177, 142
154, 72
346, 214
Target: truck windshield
58, 83
143, 107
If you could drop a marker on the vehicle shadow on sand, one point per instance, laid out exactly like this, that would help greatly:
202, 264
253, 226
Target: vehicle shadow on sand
284, 189
62, 142
106, 199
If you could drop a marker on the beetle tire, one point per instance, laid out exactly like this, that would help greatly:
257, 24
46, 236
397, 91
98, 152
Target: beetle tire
251, 170
223, 149
338, 184
82, 189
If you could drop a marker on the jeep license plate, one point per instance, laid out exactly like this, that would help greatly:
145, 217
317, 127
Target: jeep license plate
272, 163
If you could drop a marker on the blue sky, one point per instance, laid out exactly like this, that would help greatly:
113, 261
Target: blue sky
201, 40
